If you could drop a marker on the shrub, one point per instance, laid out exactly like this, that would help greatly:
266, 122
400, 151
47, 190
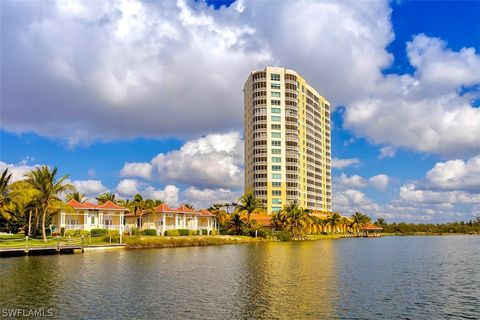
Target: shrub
136, 232
111, 236
192, 232
204, 232
260, 233
98, 232
149, 232
84, 233
213, 232
70, 233
283, 236
172, 233
183, 232
62, 231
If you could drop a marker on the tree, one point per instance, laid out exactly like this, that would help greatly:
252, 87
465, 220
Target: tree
77, 196
297, 220
141, 206
279, 220
334, 220
359, 220
189, 206
4, 194
158, 202
236, 223
248, 204
106, 196
24, 199
49, 189
381, 222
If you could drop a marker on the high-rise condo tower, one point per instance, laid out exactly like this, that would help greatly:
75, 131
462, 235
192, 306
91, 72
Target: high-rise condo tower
287, 141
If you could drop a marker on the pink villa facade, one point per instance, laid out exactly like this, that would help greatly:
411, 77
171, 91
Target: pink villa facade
164, 218
88, 216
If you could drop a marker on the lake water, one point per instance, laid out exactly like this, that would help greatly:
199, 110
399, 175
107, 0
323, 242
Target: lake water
389, 277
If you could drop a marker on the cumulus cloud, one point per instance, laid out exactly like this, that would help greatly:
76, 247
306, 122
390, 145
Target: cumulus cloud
343, 163
202, 198
379, 181
18, 171
212, 161
137, 169
128, 187
387, 152
90, 188
424, 111
350, 200
174, 76
449, 182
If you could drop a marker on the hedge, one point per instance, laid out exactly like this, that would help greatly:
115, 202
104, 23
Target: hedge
98, 232
283, 236
172, 233
149, 232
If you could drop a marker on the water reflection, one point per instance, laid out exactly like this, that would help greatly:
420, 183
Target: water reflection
409, 277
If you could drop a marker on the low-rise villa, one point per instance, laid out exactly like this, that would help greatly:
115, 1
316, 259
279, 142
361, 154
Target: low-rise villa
164, 218
88, 216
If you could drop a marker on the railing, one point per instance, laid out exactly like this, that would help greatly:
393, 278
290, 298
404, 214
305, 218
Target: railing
74, 227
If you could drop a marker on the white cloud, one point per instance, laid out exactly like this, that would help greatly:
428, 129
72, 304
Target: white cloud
343, 163
18, 171
128, 187
454, 175
169, 194
379, 182
203, 198
424, 112
213, 161
137, 169
175, 76
90, 188
449, 182
387, 152
350, 200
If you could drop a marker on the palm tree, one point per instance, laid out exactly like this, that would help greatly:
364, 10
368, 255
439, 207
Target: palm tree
141, 206
124, 203
4, 193
24, 198
158, 202
380, 222
189, 206
297, 220
49, 189
279, 220
334, 221
249, 204
359, 220
77, 196
106, 196
236, 223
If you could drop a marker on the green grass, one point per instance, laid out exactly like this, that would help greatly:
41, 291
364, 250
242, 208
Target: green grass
186, 241
19, 242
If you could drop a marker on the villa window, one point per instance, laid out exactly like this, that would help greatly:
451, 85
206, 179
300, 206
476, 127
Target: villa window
92, 220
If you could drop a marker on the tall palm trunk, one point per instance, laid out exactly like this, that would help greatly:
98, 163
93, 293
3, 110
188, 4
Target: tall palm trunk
44, 233
29, 233
37, 221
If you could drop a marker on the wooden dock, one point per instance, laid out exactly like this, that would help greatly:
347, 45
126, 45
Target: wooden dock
39, 251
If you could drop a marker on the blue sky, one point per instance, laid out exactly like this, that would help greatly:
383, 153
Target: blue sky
146, 97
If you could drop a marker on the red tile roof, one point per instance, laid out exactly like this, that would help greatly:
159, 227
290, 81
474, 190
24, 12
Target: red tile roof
205, 212
164, 208
109, 205
87, 205
262, 219
183, 208
371, 227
